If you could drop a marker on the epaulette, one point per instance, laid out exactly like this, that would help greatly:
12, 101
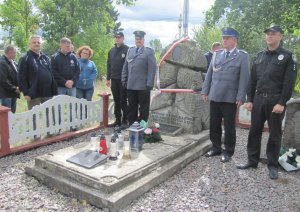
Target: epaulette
243, 51
262, 51
149, 47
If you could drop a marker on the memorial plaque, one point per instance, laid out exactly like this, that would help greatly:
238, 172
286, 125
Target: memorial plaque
88, 159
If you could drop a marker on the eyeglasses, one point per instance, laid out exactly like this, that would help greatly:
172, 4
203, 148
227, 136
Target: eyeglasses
86, 53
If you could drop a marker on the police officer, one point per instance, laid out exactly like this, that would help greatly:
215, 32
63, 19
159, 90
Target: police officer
138, 77
225, 86
115, 62
271, 84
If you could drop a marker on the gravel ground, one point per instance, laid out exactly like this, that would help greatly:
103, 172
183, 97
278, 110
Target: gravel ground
204, 185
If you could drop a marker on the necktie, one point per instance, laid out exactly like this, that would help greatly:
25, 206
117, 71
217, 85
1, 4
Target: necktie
136, 51
227, 55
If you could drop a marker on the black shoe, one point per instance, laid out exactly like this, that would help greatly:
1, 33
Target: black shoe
116, 123
273, 173
225, 158
247, 166
212, 153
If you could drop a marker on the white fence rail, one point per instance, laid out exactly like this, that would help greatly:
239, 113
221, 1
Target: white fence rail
57, 115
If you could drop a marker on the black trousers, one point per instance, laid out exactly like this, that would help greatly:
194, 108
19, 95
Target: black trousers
120, 99
261, 112
227, 111
139, 105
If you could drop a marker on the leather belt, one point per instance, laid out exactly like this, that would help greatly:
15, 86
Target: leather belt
267, 94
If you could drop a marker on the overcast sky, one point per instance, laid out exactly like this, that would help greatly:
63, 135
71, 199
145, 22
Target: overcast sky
160, 18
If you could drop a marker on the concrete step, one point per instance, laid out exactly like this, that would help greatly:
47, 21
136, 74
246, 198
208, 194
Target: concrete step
116, 184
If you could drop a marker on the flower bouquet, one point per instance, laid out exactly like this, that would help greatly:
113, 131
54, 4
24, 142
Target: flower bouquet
151, 134
289, 159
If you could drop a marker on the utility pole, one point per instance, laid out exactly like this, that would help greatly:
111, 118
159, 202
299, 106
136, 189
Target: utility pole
180, 25
185, 17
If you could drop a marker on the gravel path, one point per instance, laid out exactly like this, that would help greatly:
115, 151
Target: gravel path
204, 185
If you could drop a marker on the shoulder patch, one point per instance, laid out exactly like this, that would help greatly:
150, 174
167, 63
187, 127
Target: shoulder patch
294, 57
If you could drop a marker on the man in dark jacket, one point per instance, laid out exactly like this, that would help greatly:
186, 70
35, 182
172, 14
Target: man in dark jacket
9, 90
35, 75
115, 62
271, 84
66, 68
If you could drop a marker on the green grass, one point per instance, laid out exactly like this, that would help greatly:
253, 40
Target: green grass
100, 87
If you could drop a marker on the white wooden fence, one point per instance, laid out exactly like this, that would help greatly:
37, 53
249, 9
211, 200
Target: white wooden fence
57, 115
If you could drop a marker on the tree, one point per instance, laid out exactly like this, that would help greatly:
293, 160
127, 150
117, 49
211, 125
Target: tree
22, 24
250, 19
206, 36
86, 22
156, 45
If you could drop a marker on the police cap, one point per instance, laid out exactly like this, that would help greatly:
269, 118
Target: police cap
274, 28
229, 32
119, 34
139, 34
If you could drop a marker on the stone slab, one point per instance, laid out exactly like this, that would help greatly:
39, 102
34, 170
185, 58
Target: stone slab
116, 184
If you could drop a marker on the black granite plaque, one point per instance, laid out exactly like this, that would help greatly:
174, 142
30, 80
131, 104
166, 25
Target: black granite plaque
88, 159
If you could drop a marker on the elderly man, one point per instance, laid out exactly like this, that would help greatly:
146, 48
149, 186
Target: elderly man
272, 80
9, 90
138, 77
225, 86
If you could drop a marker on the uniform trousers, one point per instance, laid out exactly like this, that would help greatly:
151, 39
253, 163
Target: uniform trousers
227, 111
138, 105
120, 99
261, 112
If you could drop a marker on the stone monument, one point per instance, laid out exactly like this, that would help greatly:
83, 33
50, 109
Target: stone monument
182, 69
291, 136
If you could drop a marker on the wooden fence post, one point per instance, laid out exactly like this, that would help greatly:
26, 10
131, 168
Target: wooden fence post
4, 131
105, 97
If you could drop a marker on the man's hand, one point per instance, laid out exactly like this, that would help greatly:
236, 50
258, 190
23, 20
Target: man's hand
249, 106
107, 82
149, 88
124, 84
28, 98
17, 90
69, 83
278, 109
238, 103
204, 97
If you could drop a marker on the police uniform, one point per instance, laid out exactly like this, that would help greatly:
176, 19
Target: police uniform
272, 80
115, 62
138, 77
225, 84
